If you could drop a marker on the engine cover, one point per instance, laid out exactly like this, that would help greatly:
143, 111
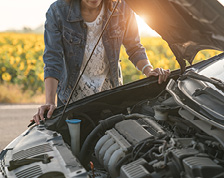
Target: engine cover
132, 131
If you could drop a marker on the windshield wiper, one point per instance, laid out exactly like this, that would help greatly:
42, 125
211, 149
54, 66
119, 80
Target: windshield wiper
216, 82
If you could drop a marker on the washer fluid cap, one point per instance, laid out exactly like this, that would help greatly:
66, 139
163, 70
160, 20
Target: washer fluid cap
73, 121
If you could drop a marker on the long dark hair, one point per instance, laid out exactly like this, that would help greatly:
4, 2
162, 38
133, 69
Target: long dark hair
108, 3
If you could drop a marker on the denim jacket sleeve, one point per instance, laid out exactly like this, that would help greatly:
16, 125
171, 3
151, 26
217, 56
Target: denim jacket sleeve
53, 53
131, 40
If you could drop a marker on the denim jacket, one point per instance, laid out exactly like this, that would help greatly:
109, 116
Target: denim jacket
65, 40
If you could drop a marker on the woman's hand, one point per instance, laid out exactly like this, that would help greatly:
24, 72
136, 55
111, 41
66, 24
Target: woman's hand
160, 72
147, 69
49, 108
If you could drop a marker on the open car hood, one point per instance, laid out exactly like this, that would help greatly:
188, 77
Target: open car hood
188, 26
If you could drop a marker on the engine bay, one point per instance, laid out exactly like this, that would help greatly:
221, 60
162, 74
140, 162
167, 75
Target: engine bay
152, 140
154, 137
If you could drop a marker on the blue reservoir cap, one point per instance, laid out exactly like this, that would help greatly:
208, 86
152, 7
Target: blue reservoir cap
73, 121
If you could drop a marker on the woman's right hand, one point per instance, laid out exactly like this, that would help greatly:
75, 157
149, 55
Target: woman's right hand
49, 108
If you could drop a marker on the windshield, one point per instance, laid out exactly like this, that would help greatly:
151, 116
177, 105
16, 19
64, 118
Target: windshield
215, 70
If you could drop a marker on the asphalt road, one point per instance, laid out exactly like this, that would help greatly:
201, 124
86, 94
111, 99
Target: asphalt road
13, 121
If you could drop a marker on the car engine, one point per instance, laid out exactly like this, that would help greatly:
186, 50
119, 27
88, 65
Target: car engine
153, 140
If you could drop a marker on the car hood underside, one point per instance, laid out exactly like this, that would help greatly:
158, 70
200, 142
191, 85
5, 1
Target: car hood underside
188, 26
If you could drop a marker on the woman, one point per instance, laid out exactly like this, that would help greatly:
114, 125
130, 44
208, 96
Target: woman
71, 31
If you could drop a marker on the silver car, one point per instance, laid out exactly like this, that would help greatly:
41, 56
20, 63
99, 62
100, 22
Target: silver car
141, 129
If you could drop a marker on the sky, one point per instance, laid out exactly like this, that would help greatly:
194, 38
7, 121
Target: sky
16, 14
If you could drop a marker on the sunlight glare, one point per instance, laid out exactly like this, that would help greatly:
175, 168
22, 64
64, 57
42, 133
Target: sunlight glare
144, 29
222, 2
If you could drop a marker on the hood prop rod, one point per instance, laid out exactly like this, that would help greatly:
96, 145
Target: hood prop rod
60, 121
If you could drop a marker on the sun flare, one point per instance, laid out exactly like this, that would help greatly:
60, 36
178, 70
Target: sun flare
144, 29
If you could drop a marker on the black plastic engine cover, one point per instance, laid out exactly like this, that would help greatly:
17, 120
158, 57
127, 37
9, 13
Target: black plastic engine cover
132, 131
201, 167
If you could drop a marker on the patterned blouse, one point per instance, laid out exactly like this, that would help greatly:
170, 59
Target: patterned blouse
96, 77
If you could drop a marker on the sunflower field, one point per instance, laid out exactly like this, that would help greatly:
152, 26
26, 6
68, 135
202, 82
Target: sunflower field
21, 61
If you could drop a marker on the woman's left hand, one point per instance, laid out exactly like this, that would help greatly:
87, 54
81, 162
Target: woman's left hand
148, 70
160, 72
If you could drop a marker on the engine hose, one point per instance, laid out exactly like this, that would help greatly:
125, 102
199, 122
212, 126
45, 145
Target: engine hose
149, 153
103, 126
